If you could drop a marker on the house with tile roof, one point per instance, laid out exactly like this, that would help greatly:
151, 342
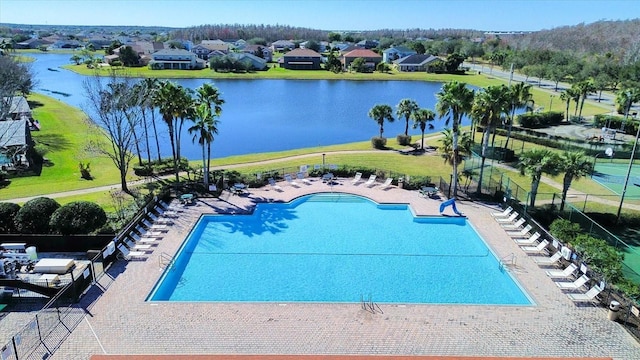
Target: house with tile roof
371, 58
417, 62
267, 54
301, 59
396, 52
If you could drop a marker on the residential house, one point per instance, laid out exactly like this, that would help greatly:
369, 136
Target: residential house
371, 58
204, 51
367, 44
301, 59
322, 46
257, 63
216, 45
32, 44
65, 44
282, 45
396, 52
178, 59
417, 62
256, 49
15, 141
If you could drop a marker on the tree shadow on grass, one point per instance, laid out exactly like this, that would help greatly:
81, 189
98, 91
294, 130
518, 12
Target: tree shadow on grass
55, 142
34, 104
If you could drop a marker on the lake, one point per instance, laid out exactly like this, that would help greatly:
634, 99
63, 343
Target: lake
269, 115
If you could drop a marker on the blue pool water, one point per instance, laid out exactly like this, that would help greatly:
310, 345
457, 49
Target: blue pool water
336, 248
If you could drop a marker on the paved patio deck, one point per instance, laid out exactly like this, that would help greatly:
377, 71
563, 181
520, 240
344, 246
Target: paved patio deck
119, 321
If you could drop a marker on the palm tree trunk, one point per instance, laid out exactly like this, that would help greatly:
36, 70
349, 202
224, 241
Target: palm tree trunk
513, 114
208, 160
567, 112
146, 134
406, 127
534, 192
173, 152
422, 142
454, 177
485, 145
155, 132
566, 184
204, 166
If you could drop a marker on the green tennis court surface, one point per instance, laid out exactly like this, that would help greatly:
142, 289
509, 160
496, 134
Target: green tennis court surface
612, 176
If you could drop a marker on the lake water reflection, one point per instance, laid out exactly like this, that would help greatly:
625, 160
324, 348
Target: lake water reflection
270, 115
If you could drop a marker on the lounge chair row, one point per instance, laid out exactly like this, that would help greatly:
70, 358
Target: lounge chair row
138, 243
328, 178
535, 244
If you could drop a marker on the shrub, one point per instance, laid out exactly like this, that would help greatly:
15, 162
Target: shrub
80, 217
629, 126
144, 170
540, 120
404, 140
8, 213
379, 142
600, 256
34, 216
85, 171
565, 230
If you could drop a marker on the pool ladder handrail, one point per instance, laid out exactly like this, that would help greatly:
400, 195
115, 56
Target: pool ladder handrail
166, 260
512, 261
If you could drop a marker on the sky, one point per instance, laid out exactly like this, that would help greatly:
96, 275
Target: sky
486, 15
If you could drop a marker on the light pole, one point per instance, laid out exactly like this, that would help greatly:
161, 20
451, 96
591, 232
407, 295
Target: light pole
323, 160
626, 180
550, 101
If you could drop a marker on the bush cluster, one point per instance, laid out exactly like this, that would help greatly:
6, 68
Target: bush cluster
404, 140
162, 167
540, 120
45, 216
629, 126
379, 142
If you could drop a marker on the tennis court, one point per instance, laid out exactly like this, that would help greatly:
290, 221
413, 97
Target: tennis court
612, 176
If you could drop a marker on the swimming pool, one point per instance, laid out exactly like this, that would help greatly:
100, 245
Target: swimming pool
336, 248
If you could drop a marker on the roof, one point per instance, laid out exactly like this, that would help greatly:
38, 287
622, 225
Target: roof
174, 52
302, 53
362, 53
19, 105
13, 133
401, 49
417, 59
282, 43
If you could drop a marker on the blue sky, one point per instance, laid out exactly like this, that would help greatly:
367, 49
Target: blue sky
323, 15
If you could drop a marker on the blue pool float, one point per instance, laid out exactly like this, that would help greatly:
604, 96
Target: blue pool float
451, 202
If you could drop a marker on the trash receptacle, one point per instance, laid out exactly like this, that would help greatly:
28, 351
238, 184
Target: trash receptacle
614, 307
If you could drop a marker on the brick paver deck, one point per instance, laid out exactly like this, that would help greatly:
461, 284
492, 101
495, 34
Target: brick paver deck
118, 320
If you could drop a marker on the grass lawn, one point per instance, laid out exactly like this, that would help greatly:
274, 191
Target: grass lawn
63, 135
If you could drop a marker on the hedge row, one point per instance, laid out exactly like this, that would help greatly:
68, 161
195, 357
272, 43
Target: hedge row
629, 126
540, 120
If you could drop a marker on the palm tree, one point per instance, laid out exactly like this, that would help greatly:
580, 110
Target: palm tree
167, 99
186, 106
405, 108
488, 106
420, 119
210, 95
520, 97
152, 86
574, 92
204, 128
456, 156
575, 165
585, 88
534, 163
566, 97
379, 114
626, 97
454, 101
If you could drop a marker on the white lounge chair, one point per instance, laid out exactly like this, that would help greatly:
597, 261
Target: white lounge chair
143, 239
573, 285
165, 212
144, 232
274, 186
289, 179
505, 213
371, 181
515, 226
588, 296
152, 226
536, 249
386, 184
520, 233
514, 215
128, 255
158, 219
136, 247
548, 260
529, 241
564, 273
357, 179
302, 178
